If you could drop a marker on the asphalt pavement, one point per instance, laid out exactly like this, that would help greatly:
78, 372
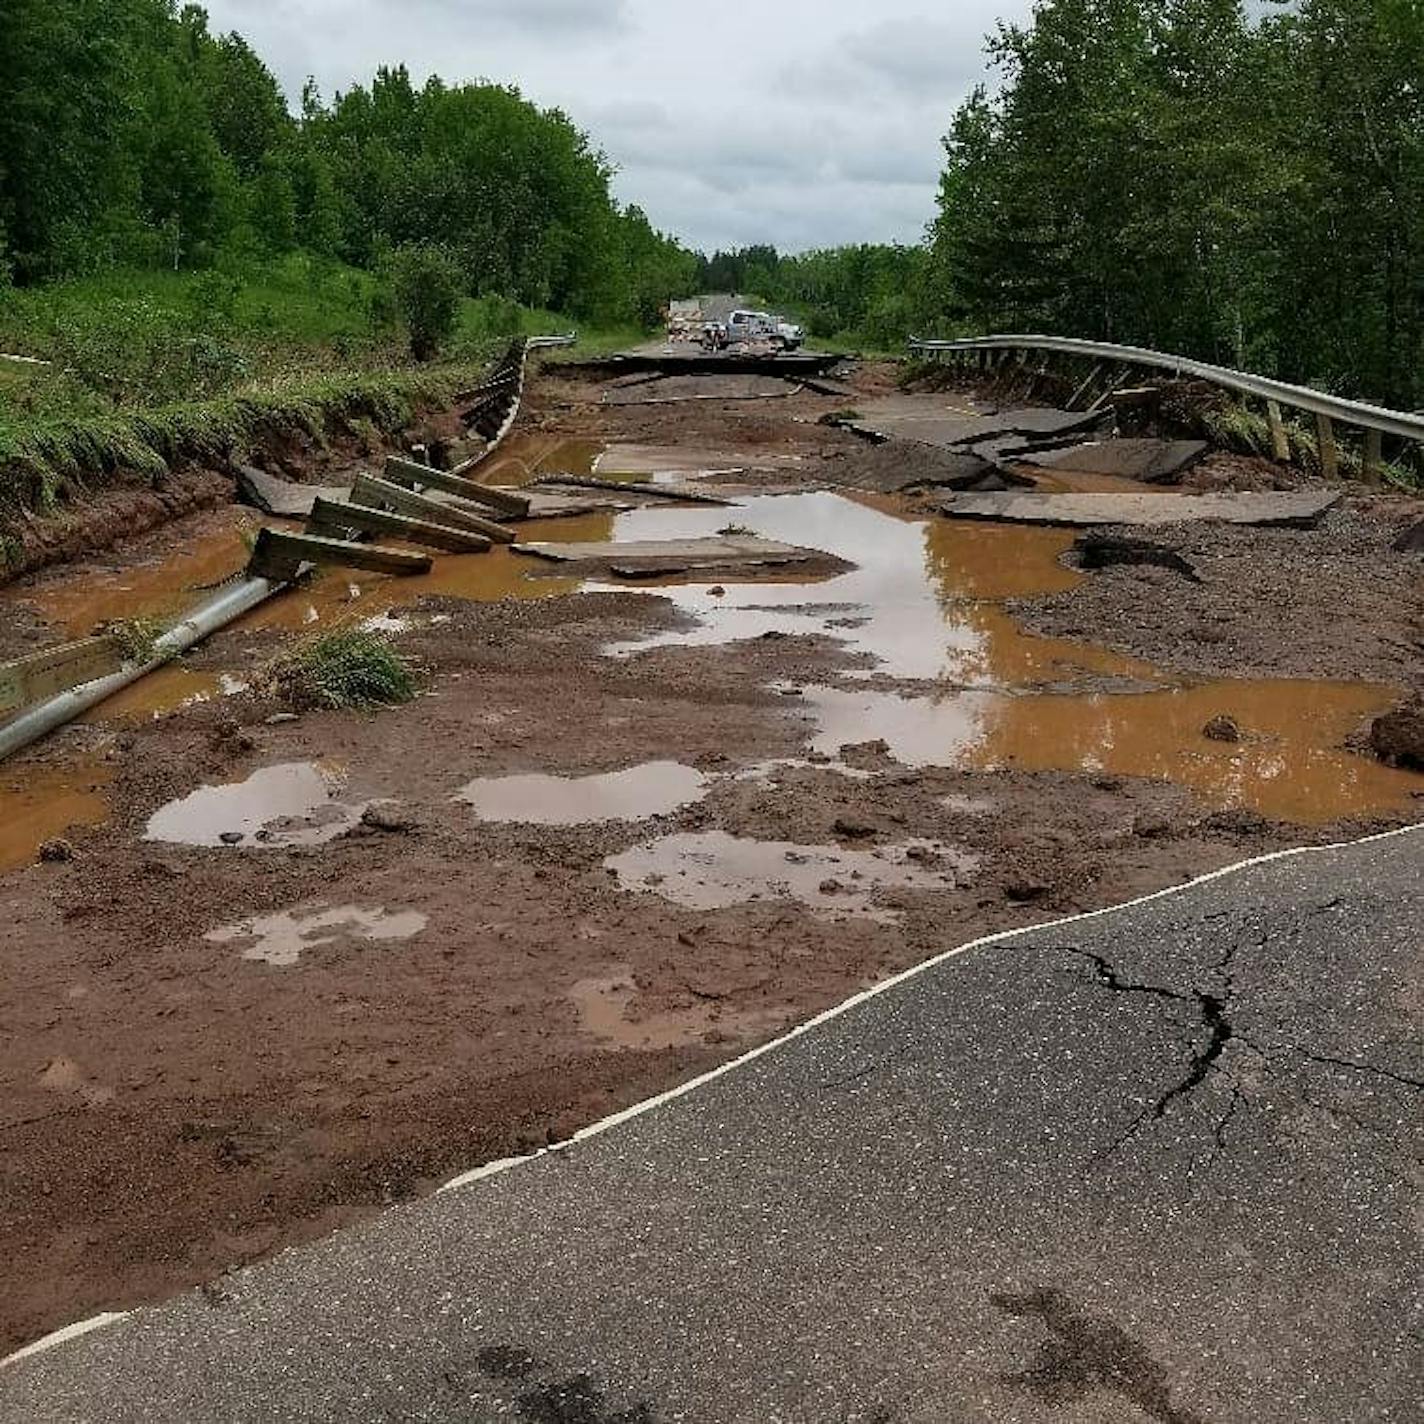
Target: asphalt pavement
1153, 1164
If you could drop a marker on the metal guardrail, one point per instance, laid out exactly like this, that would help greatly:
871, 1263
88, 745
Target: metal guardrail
1368, 417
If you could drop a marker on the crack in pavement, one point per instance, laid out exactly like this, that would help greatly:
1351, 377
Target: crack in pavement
1212, 1015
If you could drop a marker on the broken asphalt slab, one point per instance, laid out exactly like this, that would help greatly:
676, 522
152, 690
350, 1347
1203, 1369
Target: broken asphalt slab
723, 552
1151, 1163
1268, 509
1150, 461
932, 423
284, 498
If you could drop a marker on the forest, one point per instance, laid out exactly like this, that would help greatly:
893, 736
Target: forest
1243, 186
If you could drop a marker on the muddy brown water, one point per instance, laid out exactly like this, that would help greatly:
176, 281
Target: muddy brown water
653, 789
923, 605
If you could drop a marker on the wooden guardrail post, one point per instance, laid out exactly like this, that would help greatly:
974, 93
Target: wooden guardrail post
1280, 442
1329, 455
1374, 457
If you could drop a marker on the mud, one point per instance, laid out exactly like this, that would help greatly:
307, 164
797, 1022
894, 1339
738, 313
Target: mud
215, 1050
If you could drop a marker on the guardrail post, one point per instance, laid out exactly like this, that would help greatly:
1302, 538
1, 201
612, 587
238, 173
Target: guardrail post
1373, 461
1329, 455
1280, 442
1092, 379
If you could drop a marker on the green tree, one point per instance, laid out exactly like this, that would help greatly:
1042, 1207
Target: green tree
427, 286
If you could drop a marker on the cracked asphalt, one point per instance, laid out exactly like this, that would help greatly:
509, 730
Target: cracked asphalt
1157, 1164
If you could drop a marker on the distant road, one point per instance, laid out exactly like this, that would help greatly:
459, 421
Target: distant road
1152, 1164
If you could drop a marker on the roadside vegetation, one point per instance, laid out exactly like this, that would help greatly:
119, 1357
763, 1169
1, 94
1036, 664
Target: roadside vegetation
350, 668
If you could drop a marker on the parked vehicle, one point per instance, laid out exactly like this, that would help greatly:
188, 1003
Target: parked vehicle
792, 337
751, 328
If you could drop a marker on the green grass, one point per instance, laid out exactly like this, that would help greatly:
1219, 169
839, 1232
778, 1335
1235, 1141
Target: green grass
349, 668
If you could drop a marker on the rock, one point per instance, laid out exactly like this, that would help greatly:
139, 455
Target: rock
388, 816
1109, 783
56, 850
1101, 551
1411, 541
280, 719
1204, 633
1151, 826
831, 887
1222, 729
232, 837
716, 591
852, 829
1397, 738
1022, 892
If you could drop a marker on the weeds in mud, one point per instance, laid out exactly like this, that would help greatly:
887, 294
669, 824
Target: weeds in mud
737, 531
136, 639
350, 668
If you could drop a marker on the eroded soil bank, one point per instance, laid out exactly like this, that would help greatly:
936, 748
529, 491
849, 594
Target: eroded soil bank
298, 969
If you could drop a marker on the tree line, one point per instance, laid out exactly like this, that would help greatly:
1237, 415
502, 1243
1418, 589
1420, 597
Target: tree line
132, 135
1183, 175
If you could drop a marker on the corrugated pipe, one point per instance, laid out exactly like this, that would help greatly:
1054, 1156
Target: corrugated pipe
46, 717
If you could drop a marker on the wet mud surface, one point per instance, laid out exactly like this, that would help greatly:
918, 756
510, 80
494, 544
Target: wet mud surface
285, 972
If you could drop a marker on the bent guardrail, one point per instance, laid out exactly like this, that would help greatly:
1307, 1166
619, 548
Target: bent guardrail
1375, 421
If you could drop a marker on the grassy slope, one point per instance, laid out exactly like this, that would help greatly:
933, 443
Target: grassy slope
149, 368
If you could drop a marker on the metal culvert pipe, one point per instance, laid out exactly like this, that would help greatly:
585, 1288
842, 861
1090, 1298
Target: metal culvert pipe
218, 612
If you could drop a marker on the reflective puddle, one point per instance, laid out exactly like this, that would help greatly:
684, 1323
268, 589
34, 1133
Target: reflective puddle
523, 458
280, 939
294, 804
170, 689
1289, 765
712, 870
609, 1011
37, 804
163, 590
653, 789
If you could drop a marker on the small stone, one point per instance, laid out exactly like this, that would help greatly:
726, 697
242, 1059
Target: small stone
717, 591
232, 837
280, 719
1021, 892
388, 816
1397, 738
55, 850
818, 758
1108, 783
792, 692
852, 829
1152, 826
1222, 729
831, 887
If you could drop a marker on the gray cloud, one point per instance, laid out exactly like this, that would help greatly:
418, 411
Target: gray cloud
820, 128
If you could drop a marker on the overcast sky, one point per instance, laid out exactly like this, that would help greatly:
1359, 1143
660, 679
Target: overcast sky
805, 123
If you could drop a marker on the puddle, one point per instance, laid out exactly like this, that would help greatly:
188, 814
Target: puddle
64, 1075
713, 870
280, 939
607, 1009
1290, 766
170, 689
653, 789
340, 597
292, 804
40, 803
522, 459
921, 602
163, 591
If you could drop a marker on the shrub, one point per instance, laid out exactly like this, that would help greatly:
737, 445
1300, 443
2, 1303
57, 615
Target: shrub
428, 289
347, 668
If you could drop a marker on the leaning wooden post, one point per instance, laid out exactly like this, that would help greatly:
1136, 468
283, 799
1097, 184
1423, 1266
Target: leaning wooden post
1374, 457
1280, 443
1329, 455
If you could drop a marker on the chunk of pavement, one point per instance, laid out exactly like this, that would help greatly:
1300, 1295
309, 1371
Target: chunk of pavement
1397, 738
931, 424
1411, 541
284, 498
1154, 462
659, 555
1222, 729
1101, 551
1301, 509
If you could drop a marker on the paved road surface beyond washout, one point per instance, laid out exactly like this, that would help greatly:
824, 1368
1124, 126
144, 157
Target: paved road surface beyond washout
1149, 1165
